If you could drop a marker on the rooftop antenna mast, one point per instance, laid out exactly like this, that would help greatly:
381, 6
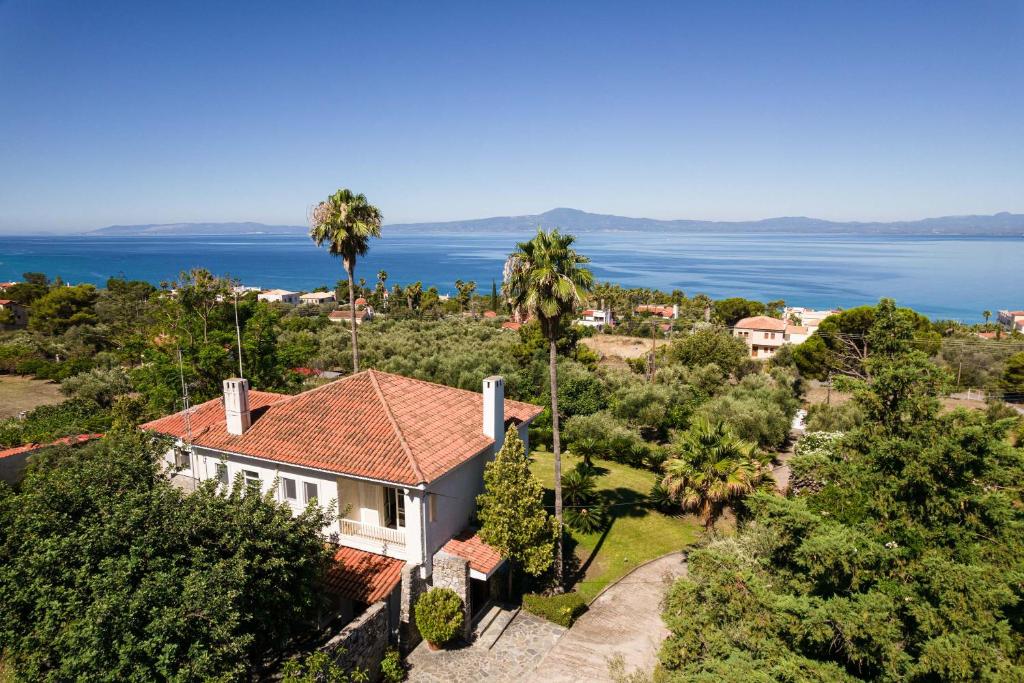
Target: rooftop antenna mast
184, 400
238, 334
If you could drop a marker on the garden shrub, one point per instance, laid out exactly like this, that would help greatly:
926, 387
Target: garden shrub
391, 667
562, 609
439, 615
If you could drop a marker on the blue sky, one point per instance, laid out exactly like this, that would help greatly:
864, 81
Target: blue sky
141, 112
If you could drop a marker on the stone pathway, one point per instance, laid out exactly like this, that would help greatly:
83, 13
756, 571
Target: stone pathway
513, 657
625, 620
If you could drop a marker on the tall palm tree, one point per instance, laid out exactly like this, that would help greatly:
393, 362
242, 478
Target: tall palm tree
346, 221
544, 279
712, 470
986, 314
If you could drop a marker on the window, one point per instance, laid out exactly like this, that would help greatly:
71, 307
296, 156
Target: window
309, 491
394, 509
432, 507
182, 459
252, 479
765, 335
290, 490
222, 473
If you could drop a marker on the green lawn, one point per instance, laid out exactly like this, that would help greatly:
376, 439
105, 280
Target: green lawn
636, 534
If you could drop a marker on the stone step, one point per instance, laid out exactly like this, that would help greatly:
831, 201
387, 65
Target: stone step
489, 635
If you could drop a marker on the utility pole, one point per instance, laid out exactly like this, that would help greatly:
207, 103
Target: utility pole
828, 397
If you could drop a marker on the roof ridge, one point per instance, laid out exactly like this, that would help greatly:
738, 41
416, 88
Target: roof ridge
394, 423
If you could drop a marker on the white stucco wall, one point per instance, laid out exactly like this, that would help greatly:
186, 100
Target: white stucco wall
354, 499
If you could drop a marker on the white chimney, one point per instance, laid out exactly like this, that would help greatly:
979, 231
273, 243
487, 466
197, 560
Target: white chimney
494, 409
236, 405
675, 310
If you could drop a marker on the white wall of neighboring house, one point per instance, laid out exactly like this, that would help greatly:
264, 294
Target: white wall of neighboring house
762, 343
279, 295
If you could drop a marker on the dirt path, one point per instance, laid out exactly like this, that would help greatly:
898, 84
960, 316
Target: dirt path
625, 620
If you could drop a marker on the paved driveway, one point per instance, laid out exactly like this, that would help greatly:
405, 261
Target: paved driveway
625, 620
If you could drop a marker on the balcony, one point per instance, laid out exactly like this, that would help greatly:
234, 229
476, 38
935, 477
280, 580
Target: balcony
373, 533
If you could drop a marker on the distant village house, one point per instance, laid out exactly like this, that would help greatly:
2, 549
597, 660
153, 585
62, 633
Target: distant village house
280, 296
317, 298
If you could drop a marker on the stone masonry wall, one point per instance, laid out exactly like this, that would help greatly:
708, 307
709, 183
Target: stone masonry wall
412, 587
363, 642
453, 572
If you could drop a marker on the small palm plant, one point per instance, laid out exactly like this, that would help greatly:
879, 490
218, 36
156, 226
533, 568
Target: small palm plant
712, 470
346, 222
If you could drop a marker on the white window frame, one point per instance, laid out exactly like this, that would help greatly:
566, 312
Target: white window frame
182, 458
252, 481
305, 491
285, 481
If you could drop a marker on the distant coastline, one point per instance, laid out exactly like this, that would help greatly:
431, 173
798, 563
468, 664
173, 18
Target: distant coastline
573, 220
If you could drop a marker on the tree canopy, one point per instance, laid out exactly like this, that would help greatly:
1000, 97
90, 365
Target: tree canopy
111, 573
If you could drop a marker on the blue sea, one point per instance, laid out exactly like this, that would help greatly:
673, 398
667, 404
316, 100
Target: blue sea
943, 277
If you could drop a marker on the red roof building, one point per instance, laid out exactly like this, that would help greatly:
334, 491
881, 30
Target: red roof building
483, 559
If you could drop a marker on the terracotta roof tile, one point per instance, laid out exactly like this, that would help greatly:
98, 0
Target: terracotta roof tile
372, 424
761, 322
471, 547
362, 576
67, 440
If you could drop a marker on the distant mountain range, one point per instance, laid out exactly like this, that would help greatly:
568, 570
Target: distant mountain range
575, 220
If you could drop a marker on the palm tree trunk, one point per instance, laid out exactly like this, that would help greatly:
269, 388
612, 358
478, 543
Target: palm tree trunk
557, 449
350, 269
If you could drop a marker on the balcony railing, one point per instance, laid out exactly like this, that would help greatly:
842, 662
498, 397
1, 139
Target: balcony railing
372, 532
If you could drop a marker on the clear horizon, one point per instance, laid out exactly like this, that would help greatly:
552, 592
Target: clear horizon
131, 114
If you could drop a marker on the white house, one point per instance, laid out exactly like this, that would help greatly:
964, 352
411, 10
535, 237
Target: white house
279, 295
806, 317
1011, 320
596, 317
762, 334
402, 460
345, 315
317, 298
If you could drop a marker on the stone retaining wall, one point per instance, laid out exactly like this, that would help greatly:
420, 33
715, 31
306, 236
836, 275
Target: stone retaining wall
363, 642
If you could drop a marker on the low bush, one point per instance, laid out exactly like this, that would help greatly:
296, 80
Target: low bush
439, 615
391, 667
562, 609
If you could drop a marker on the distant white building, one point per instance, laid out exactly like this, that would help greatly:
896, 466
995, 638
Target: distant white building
596, 317
280, 295
245, 289
317, 298
345, 316
764, 335
1011, 320
806, 317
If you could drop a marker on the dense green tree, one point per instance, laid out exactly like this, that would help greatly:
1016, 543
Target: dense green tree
33, 286
100, 385
111, 573
63, 308
732, 310
511, 510
346, 222
1013, 376
709, 345
898, 558
842, 343
544, 279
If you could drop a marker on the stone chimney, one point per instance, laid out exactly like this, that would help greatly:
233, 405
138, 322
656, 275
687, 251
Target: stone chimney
236, 405
494, 409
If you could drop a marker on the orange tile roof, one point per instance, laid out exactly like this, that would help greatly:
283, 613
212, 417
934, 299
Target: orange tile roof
490, 314
761, 322
372, 424
663, 311
67, 440
511, 326
362, 576
471, 547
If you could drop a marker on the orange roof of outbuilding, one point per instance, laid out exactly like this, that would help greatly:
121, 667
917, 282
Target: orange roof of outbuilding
761, 322
362, 576
372, 424
67, 441
469, 546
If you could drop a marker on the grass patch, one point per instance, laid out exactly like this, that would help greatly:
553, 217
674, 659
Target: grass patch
559, 609
23, 393
635, 533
